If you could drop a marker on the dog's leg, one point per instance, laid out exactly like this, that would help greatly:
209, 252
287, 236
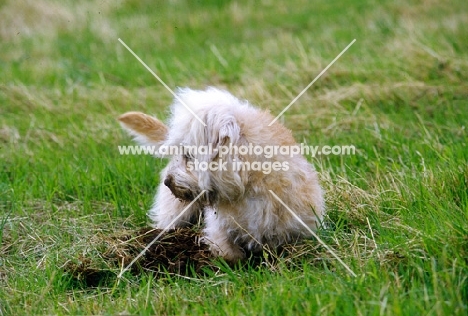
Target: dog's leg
167, 207
217, 237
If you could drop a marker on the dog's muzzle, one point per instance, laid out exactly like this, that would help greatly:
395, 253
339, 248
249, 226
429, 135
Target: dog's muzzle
187, 194
180, 192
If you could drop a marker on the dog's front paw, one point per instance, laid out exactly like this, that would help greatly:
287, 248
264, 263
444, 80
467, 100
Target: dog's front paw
229, 251
230, 254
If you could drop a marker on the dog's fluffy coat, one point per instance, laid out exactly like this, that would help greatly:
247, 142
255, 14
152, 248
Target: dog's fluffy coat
240, 213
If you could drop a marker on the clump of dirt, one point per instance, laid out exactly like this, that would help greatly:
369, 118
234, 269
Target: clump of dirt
177, 251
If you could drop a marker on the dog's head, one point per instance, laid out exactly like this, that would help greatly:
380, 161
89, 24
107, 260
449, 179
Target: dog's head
201, 122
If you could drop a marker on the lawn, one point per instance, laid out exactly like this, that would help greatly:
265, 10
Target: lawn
397, 208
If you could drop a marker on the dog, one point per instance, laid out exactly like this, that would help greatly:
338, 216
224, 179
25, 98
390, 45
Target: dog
240, 212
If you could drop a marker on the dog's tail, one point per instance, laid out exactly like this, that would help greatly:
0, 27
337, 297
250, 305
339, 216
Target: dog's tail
146, 129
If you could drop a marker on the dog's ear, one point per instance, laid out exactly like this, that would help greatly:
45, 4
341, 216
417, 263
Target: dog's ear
146, 129
229, 131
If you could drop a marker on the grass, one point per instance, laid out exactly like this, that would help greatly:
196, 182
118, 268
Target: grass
398, 209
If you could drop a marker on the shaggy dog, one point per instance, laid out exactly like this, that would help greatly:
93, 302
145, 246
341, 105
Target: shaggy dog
240, 212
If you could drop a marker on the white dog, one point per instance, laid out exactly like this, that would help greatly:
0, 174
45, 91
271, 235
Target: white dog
240, 212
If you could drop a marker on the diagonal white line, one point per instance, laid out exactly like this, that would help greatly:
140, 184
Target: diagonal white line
313, 81
218, 55
314, 234
162, 82
160, 234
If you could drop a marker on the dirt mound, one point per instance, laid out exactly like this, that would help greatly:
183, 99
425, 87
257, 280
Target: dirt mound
177, 251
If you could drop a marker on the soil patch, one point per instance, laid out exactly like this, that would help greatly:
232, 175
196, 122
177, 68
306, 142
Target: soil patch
177, 251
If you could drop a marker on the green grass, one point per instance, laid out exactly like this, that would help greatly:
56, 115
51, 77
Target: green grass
398, 209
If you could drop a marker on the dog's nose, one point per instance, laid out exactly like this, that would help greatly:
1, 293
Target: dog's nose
168, 181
